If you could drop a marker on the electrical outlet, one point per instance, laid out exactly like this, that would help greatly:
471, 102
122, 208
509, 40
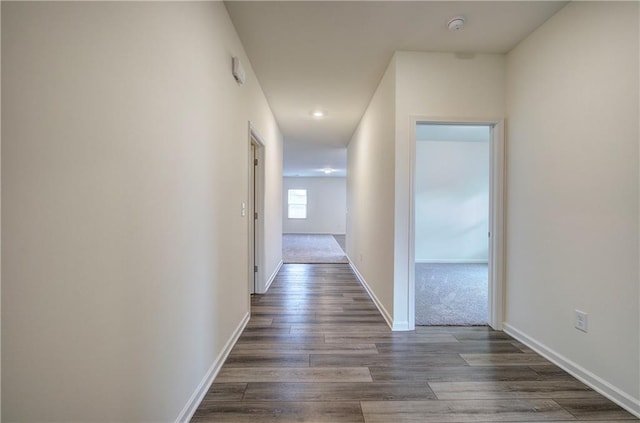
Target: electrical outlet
581, 320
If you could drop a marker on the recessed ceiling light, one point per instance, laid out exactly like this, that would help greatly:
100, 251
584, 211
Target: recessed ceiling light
318, 114
455, 24
326, 170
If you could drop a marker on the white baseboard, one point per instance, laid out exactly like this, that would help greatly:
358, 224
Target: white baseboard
452, 261
312, 233
400, 326
385, 314
272, 277
598, 384
204, 385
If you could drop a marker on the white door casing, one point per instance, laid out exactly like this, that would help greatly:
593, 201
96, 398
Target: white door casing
496, 216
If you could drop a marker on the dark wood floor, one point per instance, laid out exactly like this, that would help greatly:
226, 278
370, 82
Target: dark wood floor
317, 350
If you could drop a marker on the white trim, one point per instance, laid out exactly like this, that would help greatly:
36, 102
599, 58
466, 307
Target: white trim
411, 252
452, 261
496, 226
203, 387
385, 314
251, 239
272, 277
259, 258
400, 326
311, 233
496, 215
598, 384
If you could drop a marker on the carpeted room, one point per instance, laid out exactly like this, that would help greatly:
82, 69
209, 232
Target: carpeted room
313, 248
451, 224
314, 218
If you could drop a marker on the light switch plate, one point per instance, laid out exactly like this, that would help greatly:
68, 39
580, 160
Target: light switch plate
581, 320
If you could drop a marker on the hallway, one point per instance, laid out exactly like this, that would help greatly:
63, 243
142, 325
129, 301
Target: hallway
317, 350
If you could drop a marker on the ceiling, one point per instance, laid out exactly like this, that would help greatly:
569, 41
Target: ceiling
328, 55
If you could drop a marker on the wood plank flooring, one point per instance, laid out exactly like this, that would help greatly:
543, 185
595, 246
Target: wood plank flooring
317, 350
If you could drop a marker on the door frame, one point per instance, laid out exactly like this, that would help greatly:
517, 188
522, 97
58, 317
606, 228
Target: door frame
496, 215
255, 204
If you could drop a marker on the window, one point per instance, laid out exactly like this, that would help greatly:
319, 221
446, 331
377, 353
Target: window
297, 201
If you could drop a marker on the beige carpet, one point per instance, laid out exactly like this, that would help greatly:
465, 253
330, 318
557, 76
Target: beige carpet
307, 248
451, 294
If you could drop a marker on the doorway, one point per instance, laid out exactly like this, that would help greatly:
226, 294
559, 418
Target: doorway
254, 211
451, 224
456, 246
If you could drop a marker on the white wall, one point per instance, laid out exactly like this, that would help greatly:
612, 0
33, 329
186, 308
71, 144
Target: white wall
370, 191
273, 159
572, 220
434, 85
451, 201
124, 165
326, 206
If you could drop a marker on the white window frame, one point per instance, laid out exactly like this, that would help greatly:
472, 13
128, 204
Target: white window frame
296, 204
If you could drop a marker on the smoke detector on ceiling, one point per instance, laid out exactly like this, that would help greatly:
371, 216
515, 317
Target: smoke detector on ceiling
455, 24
